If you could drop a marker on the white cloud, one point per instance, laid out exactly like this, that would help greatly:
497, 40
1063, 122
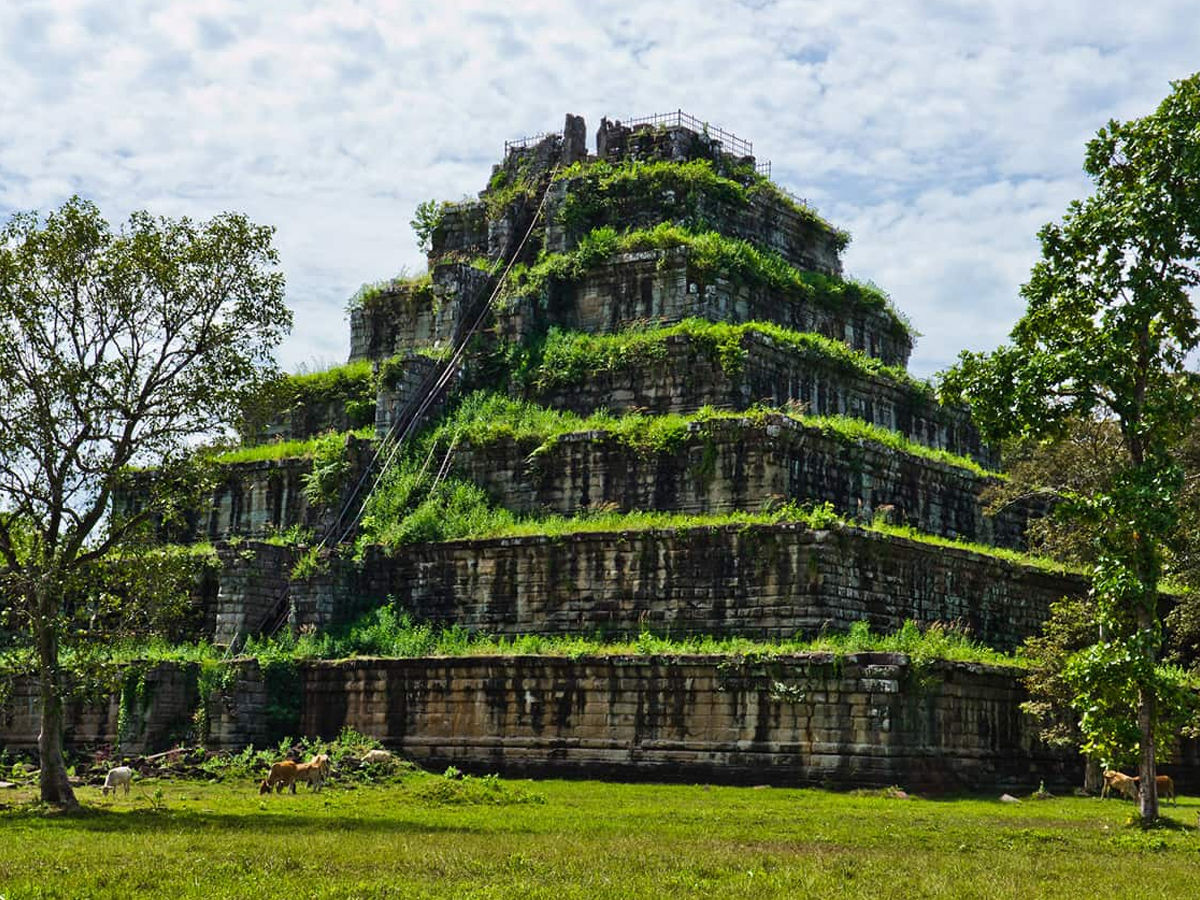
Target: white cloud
942, 135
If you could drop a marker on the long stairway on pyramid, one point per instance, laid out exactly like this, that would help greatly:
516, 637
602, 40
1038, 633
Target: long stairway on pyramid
634, 398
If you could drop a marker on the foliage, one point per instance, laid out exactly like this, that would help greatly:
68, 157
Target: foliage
331, 466
390, 632
426, 220
300, 449
216, 679
600, 191
1107, 334
117, 350
400, 288
351, 386
409, 505
484, 418
280, 677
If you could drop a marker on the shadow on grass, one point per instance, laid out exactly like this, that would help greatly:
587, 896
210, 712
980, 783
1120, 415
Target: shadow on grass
141, 820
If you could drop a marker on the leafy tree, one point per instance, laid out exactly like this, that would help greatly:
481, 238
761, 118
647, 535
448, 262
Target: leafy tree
1106, 334
117, 349
1084, 459
425, 222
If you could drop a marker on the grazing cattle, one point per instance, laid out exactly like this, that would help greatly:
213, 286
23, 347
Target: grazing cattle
1124, 784
313, 773
321, 761
282, 774
121, 775
1166, 787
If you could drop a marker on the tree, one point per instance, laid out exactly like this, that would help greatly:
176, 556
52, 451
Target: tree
1083, 459
1106, 334
116, 350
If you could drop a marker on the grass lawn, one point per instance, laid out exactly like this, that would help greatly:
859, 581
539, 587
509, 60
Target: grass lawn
427, 836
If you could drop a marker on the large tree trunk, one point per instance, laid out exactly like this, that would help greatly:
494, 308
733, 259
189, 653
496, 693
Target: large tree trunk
1148, 798
1093, 777
55, 788
52, 780
1147, 712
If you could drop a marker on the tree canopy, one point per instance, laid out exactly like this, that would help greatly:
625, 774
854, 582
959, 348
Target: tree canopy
1107, 333
117, 349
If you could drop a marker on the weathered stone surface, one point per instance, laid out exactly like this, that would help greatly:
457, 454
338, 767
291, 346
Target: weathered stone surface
408, 319
254, 581
256, 498
808, 719
462, 230
574, 140
663, 286
688, 376
727, 465
164, 716
763, 581
766, 220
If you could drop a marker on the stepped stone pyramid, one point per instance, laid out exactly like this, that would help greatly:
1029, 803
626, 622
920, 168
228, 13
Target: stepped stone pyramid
790, 384
644, 176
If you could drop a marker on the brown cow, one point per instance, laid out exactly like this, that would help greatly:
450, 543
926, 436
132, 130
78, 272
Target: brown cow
1124, 784
1166, 787
282, 774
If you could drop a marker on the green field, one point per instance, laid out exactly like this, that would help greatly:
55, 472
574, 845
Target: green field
429, 836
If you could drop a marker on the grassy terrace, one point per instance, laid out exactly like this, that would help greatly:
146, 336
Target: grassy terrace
676, 186
428, 836
388, 632
712, 255
305, 449
571, 357
485, 418
416, 288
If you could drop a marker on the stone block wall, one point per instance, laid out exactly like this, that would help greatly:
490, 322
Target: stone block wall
662, 286
463, 230
310, 420
406, 319
723, 466
767, 220
764, 582
239, 716
165, 716
254, 580
256, 498
867, 719
689, 377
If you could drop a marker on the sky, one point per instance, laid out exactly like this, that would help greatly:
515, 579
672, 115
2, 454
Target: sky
941, 135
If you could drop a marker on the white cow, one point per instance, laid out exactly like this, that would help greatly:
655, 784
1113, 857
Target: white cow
121, 775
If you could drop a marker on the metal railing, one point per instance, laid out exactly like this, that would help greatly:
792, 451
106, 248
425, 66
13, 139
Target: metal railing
522, 143
680, 119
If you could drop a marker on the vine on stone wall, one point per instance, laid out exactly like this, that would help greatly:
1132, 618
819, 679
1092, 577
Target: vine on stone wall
216, 681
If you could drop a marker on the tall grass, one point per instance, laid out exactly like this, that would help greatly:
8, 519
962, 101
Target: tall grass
680, 189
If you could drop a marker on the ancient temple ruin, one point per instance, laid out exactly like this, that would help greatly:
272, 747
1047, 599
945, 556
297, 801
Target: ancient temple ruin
711, 306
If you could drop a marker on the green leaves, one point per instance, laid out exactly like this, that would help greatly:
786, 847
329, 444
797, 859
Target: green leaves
1107, 333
